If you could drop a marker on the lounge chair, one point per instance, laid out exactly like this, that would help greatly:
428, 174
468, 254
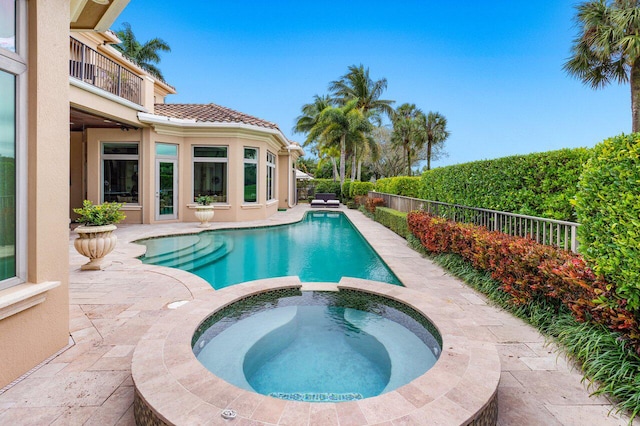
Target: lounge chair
323, 199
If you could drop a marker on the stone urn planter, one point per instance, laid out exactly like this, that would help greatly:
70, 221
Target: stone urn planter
204, 214
204, 209
95, 242
95, 235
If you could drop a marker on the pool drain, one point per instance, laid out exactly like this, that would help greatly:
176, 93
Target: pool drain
229, 414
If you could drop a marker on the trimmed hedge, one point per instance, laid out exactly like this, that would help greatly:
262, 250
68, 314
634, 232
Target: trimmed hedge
360, 188
529, 271
326, 185
407, 186
393, 219
346, 189
541, 184
608, 207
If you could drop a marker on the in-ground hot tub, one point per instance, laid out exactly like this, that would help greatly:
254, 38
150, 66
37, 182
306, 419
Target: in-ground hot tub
317, 346
173, 387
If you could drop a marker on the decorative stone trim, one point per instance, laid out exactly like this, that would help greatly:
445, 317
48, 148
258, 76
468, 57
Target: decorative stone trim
23, 296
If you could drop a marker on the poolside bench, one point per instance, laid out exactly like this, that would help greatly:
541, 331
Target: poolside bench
325, 199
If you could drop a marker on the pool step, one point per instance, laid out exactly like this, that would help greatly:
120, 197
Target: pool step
165, 249
207, 249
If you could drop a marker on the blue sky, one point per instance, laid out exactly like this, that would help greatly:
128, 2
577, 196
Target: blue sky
494, 69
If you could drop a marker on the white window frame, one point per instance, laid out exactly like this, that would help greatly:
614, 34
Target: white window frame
255, 161
195, 159
271, 174
104, 156
15, 63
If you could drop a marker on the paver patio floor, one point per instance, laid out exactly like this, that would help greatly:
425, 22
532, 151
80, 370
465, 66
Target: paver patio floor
90, 383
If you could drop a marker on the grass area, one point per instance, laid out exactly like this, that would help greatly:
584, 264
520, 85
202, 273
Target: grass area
607, 363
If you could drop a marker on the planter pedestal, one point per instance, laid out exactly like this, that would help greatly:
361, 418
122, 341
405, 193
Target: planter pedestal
95, 242
204, 214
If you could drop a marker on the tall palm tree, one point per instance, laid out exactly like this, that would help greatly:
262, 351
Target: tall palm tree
434, 130
340, 125
407, 131
357, 84
608, 47
145, 55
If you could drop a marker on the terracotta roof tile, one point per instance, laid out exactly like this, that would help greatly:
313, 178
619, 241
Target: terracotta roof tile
210, 113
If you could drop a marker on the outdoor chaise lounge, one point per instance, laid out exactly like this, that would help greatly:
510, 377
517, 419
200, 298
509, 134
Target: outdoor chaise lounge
323, 199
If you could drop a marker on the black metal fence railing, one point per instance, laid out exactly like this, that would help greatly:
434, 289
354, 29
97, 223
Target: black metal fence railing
551, 232
90, 66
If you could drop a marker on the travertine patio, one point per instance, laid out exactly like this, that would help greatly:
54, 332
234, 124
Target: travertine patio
90, 382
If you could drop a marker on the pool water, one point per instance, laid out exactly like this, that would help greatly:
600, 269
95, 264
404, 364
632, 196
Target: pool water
317, 346
323, 247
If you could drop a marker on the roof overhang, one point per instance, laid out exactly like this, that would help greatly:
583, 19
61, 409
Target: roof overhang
187, 127
95, 15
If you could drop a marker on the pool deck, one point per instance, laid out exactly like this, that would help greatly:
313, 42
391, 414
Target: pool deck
90, 382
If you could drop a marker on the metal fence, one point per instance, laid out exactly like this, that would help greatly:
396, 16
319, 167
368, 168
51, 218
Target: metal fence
551, 232
88, 65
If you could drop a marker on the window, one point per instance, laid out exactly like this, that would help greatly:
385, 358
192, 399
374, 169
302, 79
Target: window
8, 25
210, 172
271, 176
120, 172
250, 175
13, 177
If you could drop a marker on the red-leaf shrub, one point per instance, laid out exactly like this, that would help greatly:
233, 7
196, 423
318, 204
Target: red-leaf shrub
530, 271
372, 203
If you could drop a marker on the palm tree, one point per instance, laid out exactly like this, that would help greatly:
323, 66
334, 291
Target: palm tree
357, 84
434, 129
608, 47
339, 125
145, 55
407, 131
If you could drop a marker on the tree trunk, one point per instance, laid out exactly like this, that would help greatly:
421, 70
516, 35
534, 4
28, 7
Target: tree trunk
343, 157
359, 169
408, 160
429, 145
635, 96
335, 168
353, 165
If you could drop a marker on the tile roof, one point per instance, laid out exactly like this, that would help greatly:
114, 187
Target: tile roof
210, 113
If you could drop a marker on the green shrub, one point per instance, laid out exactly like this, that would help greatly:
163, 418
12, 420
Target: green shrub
360, 188
346, 190
327, 186
608, 207
392, 219
541, 184
407, 186
99, 214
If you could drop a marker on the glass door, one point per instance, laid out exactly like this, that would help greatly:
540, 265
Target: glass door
166, 181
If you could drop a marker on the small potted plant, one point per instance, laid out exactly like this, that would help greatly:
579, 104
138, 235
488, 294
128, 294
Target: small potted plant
204, 210
95, 235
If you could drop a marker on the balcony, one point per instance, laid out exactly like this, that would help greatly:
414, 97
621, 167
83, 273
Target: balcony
91, 67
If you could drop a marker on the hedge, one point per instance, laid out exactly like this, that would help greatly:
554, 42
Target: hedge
529, 271
608, 207
541, 184
392, 219
326, 186
407, 186
360, 188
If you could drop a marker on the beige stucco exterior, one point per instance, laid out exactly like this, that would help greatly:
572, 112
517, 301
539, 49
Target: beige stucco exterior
35, 333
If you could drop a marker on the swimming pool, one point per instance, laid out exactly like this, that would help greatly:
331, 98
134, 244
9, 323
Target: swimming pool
317, 346
323, 247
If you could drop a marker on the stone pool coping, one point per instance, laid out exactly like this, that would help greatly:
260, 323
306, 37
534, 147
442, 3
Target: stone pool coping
172, 387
